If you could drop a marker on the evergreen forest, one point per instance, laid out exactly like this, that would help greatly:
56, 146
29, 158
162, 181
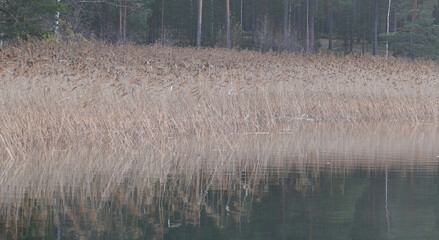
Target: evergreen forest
406, 28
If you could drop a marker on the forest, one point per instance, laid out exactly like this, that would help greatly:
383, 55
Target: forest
407, 28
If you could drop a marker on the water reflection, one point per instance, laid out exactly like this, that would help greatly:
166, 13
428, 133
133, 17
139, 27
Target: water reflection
283, 204
318, 185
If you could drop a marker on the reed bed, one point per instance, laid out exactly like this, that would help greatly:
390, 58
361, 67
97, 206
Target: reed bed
97, 93
97, 171
88, 121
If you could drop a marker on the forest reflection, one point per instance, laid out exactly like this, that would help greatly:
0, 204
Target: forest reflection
319, 203
356, 187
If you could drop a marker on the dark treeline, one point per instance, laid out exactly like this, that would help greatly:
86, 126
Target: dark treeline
409, 27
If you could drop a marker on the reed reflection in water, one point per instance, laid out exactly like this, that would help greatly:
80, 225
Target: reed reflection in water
307, 183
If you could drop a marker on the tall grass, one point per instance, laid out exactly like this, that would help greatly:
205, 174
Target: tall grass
43, 173
99, 93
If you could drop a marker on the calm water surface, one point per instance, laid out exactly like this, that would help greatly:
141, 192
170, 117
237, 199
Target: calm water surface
322, 183
307, 202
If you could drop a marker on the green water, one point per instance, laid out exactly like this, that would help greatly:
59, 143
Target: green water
323, 203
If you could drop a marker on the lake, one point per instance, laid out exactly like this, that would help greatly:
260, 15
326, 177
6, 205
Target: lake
307, 184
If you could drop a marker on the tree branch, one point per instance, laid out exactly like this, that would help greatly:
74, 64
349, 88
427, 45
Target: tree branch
13, 17
105, 2
10, 14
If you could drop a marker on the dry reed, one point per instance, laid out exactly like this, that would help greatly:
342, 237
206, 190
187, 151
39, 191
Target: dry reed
87, 183
97, 93
80, 120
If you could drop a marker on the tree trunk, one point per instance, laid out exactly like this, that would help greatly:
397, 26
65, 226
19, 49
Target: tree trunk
181, 37
55, 31
254, 21
107, 23
163, 21
312, 21
241, 12
265, 9
437, 12
151, 29
120, 21
212, 23
286, 12
415, 10
356, 22
414, 16
229, 42
200, 16
388, 25
363, 50
353, 28
331, 6
290, 18
375, 29
307, 26
346, 33
125, 22
191, 29
299, 25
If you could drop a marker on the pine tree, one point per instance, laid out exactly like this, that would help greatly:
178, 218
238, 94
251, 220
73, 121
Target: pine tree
419, 37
